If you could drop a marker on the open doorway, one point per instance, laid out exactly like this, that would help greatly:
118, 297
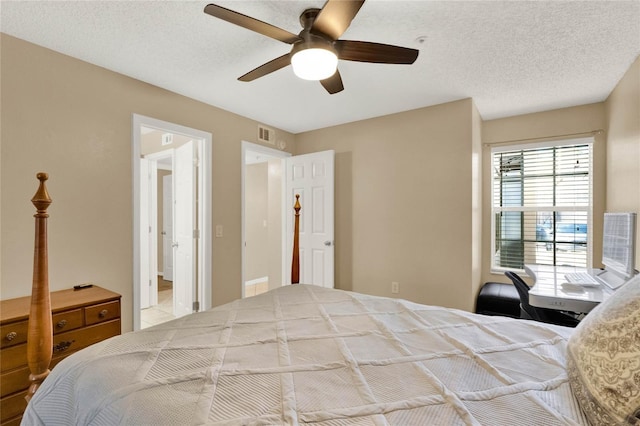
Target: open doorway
270, 181
157, 304
262, 218
171, 183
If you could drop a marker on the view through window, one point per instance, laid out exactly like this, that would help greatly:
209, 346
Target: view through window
541, 204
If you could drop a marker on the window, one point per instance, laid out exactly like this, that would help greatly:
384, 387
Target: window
541, 204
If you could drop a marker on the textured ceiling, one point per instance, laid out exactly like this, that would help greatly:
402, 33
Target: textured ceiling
511, 57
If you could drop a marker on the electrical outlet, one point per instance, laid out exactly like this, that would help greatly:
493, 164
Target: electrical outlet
395, 287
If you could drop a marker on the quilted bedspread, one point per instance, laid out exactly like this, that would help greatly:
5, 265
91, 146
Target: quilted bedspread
309, 355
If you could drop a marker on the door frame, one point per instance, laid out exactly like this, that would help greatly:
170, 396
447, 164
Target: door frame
272, 152
204, 207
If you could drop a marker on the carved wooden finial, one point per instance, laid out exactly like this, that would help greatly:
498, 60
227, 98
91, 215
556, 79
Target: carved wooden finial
297, 206
41, 200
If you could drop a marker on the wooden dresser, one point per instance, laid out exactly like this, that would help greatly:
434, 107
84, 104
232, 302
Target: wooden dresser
80, 318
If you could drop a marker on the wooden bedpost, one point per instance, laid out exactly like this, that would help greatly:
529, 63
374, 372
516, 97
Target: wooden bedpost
295, 264
40, 331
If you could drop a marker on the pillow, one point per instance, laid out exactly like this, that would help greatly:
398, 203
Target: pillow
603, 359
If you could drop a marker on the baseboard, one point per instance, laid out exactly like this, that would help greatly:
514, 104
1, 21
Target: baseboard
256, 281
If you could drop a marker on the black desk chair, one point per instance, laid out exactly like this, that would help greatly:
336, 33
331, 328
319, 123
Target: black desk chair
550, 316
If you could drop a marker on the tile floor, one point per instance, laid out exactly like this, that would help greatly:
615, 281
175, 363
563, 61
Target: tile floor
160, 313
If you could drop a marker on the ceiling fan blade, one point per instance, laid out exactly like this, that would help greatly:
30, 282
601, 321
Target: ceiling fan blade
335, 17
267, 68
364, 51
251, 23
333, 84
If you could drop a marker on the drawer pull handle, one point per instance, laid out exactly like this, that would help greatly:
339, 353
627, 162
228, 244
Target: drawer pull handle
61, 323
62, 346
11, 336
103, 313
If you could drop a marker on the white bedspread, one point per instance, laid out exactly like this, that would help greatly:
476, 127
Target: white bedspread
304, 355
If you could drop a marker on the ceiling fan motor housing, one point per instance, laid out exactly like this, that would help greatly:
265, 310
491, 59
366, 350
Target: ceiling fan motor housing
309, 40
312, 41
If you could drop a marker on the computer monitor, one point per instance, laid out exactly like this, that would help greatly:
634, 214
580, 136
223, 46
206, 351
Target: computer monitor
618, 243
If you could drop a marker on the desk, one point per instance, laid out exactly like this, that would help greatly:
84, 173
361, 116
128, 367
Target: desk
551, 291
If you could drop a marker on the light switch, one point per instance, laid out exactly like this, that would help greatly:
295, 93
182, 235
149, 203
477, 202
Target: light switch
218, 231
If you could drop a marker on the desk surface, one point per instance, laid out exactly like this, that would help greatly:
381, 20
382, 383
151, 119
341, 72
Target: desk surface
551, 290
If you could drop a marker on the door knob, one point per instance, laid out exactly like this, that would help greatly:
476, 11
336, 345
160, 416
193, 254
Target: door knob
163, 233
174, 244
328, 243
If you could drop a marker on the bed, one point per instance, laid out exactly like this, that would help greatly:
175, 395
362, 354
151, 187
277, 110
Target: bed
304, 354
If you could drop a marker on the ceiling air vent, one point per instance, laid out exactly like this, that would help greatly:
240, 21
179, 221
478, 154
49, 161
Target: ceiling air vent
266, 135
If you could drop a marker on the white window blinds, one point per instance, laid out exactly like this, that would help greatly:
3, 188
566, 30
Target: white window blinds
541, 204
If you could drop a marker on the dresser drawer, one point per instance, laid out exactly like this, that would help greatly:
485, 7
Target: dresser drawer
14, 333
13, 356
69, 320
102, 312
14, 381
12, 406
17, 380
72, 341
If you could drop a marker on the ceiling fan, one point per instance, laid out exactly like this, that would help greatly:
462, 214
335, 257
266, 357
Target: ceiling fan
316, 49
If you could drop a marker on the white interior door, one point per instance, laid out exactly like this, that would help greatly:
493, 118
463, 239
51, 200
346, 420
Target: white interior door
311, 176
167, 227
148, 229
184, 220
145, 233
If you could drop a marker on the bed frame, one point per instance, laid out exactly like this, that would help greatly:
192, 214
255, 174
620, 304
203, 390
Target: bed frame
295, 263
40, 329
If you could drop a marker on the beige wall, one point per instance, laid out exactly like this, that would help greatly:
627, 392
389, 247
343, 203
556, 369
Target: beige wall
73, 120
403, 203
263, 205
622, 110
256, 215
556, 123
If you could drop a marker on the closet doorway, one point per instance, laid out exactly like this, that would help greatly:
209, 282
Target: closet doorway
270, 181
262, 218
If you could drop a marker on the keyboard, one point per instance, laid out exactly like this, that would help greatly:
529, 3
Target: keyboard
581, 278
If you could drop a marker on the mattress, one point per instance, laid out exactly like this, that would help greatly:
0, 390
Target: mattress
309, 355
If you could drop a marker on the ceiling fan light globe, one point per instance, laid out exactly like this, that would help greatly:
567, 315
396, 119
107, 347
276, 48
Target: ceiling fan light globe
314, 63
